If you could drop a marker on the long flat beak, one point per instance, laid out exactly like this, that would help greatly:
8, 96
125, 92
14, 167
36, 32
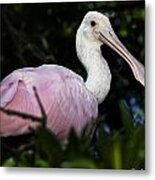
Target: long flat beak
108, 37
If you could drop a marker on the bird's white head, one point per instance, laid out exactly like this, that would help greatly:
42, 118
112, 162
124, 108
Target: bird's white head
91, 26
95, 30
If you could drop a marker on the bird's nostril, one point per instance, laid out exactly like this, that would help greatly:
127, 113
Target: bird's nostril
110, 34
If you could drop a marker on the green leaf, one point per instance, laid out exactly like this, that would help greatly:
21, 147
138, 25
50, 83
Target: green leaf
126, 117
48, 147
41, 163
79, 163
9, 162
117, 153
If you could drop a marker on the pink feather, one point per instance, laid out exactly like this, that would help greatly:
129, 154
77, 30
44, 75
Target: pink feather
66, 100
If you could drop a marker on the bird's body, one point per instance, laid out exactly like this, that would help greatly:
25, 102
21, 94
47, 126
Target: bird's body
69, 102
66, 100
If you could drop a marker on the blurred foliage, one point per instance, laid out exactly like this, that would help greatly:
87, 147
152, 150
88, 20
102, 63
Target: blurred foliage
33, 34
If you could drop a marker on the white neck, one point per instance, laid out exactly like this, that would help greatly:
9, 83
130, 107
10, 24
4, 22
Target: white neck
99, 76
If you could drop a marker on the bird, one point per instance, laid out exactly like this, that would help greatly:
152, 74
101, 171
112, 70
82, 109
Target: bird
68, 100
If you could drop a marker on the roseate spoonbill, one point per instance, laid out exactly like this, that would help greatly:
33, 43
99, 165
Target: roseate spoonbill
67, 99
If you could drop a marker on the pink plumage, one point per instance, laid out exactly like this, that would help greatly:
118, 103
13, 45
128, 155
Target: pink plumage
65, 98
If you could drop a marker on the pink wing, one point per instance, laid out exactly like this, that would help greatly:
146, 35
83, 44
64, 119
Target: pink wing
63, 94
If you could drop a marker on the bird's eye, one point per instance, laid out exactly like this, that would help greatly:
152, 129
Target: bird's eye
93, 23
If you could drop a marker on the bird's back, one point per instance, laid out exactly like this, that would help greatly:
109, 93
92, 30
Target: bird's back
63, 94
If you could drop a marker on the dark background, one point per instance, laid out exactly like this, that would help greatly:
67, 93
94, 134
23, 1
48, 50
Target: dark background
35, 34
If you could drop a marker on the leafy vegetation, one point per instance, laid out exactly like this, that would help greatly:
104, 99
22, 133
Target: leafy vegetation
33, 34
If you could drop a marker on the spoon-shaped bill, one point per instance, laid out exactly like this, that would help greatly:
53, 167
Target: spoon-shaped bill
108, 37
